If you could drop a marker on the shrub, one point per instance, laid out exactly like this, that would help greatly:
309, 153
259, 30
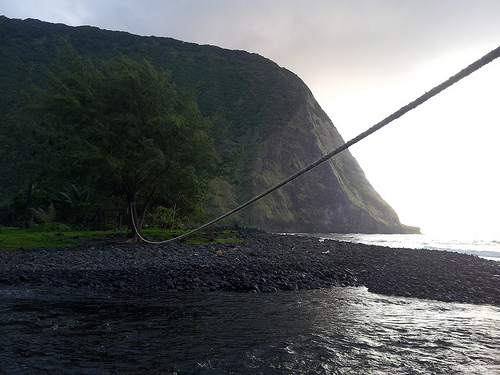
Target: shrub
46, 217
164, 218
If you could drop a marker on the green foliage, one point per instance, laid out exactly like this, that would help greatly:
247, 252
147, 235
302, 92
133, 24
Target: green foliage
104, 129
129, 132
78, 201
208, 236
164, 218
14, 238
249, 96
47, 217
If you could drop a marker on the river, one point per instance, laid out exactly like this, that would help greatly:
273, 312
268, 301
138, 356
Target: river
334, 331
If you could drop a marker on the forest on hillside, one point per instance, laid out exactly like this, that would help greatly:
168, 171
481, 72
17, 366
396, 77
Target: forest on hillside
71, 145
86, 134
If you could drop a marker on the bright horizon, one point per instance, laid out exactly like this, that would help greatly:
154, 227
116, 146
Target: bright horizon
437, 165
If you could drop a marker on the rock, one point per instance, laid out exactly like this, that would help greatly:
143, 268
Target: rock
170, 284
262, 263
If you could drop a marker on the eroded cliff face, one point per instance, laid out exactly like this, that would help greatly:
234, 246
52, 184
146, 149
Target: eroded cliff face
333, 197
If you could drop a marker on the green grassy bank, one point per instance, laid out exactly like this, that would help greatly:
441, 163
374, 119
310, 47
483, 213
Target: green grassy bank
15, 238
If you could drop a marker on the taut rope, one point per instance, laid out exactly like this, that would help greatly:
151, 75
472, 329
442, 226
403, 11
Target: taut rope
489, 57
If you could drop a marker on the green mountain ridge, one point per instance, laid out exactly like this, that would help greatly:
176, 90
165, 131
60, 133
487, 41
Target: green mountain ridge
267, 111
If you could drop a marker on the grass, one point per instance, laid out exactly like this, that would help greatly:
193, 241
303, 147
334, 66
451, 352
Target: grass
209, 236
15, 238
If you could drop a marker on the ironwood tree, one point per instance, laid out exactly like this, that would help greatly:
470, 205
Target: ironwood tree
126, 131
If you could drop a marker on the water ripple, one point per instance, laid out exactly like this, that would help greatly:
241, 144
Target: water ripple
338, 331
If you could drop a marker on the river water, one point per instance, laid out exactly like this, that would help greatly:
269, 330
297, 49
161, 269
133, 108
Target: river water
336, 331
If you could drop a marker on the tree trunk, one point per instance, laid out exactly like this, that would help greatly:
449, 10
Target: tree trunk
137, 220
135, 224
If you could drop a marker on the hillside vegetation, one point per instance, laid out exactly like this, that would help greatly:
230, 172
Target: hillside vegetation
266, 124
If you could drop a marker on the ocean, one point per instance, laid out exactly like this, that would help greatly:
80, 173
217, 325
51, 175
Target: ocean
484, 247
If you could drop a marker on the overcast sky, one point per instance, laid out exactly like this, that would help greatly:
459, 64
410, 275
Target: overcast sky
363, 59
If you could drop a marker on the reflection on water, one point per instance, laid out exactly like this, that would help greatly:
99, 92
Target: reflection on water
338, 331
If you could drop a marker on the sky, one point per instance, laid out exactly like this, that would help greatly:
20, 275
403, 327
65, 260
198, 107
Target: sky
437, 166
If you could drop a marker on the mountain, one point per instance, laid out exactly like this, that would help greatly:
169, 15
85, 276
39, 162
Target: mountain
266, 111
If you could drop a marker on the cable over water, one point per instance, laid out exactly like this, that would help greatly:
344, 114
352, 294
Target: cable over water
489, 57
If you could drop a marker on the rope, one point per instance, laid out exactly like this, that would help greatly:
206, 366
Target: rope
489, 57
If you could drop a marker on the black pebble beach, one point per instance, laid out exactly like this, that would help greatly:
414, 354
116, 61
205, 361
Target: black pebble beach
261, 262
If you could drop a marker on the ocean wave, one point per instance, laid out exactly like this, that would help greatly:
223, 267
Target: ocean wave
483, 248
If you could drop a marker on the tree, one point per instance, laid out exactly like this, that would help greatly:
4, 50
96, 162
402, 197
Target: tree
127, 131
25, 145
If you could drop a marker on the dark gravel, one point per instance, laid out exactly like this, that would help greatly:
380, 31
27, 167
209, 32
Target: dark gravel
262, 262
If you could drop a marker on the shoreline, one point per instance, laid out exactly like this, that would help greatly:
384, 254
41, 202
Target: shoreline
262, 262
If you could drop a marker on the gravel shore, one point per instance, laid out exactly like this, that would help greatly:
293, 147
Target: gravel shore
261, 262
